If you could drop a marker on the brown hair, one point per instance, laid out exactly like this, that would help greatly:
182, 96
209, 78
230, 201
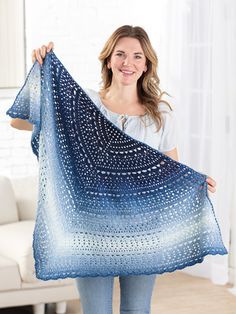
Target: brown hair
149, 92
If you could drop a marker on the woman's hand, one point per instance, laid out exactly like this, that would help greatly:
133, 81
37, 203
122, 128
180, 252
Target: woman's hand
40, 53
211, 184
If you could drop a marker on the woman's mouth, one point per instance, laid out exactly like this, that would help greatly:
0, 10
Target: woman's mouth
127, 72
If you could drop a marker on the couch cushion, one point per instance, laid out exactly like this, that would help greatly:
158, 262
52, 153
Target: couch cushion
26, 192
8, 208
42, 283
9, 274
16, 244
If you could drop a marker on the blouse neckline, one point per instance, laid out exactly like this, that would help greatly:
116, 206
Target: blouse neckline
119, 114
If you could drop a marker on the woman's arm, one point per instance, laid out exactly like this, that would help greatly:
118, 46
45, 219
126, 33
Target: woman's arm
172, 154
21, 124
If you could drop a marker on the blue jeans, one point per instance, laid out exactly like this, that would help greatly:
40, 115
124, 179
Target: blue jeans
135, 294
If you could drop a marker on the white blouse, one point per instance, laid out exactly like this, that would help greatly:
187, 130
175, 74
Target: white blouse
142, 128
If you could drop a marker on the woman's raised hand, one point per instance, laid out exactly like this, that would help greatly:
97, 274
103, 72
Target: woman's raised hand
40, 53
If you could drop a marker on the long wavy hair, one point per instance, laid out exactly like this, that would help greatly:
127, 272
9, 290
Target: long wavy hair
149, 92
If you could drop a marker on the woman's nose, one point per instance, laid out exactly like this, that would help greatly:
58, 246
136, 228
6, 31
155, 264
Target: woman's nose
126, 60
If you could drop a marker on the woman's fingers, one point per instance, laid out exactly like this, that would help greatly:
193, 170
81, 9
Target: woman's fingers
211, 189
211, 184
211, 181
40, 53
50, 46
33, 55
38, 56
43, 51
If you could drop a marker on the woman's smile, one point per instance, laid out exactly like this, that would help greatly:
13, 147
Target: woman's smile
127, 73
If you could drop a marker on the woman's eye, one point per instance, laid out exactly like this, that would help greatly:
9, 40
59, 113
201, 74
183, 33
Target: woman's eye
138, 57
119, 54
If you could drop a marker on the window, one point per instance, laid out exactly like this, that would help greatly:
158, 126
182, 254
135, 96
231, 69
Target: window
12, 44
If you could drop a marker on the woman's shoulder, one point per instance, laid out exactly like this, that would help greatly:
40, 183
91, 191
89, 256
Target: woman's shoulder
163, 107
94, 95
165, 113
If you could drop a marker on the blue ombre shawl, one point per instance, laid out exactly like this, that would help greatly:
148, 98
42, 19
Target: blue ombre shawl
108, 204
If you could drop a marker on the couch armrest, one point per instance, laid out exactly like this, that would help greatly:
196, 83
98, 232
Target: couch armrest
26, 193
8, 206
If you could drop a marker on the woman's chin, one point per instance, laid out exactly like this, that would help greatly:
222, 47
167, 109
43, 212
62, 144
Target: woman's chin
127, 82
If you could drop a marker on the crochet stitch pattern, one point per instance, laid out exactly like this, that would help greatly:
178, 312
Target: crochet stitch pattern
108, 205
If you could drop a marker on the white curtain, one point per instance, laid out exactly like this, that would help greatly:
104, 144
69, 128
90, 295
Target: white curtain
225, 82
198, 67
223, 124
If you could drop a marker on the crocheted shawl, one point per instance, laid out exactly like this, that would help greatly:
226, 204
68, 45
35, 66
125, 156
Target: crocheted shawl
108, 204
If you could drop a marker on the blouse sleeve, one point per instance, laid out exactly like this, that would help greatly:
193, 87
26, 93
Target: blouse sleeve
169, 131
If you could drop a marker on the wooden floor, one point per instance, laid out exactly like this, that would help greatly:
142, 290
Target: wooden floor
175, 293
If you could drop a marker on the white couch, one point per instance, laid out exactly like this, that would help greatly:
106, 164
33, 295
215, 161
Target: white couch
18, 284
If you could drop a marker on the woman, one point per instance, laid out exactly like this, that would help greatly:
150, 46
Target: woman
131, 98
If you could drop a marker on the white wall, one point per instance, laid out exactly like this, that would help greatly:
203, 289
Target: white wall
79, 29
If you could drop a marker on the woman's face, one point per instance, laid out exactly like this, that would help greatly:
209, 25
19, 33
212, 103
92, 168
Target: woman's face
127, 62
